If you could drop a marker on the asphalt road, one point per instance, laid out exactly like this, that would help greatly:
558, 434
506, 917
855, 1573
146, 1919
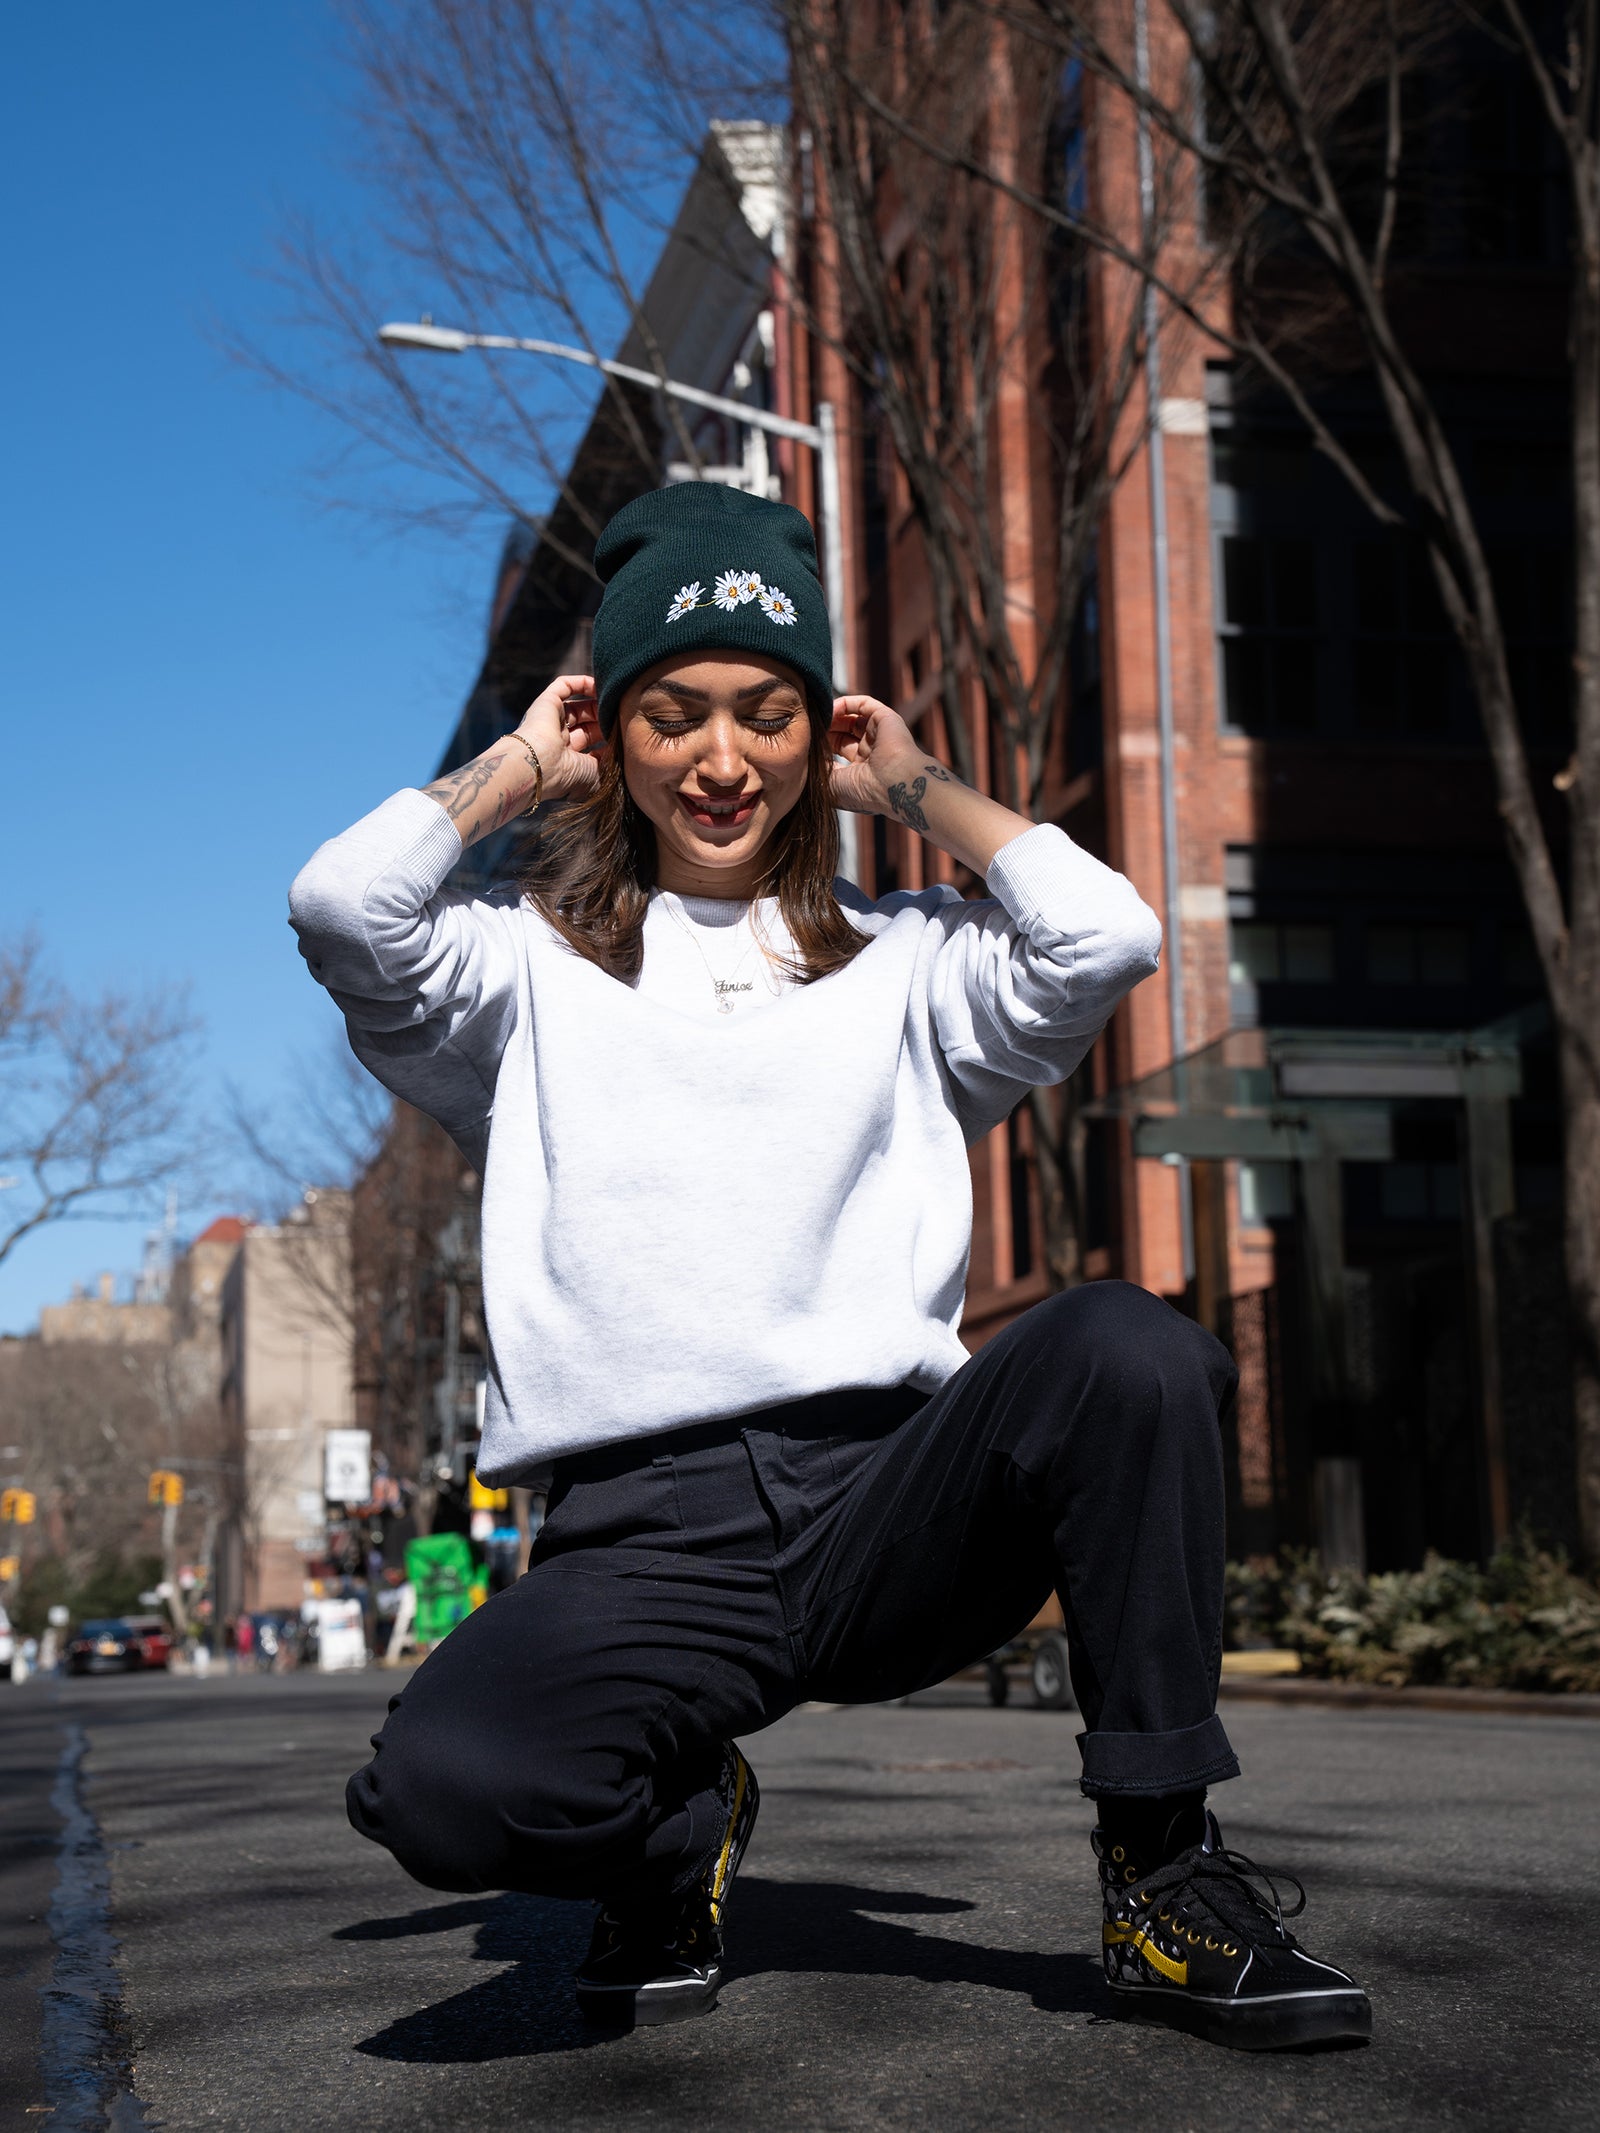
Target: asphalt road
915, 1933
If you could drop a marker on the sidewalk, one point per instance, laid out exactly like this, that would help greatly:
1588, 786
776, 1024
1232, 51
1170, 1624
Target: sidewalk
1361, 1695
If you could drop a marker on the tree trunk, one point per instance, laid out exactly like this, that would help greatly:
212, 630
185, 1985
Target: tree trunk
1575, 988
1581, 1093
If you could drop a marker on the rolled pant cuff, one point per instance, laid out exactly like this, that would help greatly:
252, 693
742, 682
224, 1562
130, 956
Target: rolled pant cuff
1124, 1764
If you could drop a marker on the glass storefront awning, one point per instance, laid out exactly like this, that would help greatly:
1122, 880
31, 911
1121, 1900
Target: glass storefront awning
1261, 1094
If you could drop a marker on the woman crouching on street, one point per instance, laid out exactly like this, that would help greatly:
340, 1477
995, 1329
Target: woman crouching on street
721, 1105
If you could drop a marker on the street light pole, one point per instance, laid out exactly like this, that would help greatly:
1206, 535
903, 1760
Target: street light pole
821, 437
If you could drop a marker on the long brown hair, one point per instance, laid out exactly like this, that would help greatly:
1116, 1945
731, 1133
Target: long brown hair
590, 873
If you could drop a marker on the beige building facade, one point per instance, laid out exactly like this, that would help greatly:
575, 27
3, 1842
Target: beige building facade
287, 1379
102, 1321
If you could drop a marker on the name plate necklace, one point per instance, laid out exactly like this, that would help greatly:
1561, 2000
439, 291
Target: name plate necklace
723, 989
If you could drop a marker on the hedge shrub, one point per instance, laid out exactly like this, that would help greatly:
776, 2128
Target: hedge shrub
1528, 1621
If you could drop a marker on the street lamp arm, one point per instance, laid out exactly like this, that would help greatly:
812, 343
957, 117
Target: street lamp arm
447, 341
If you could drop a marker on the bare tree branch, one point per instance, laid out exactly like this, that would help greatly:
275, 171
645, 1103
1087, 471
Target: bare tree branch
93, 1098
531, 182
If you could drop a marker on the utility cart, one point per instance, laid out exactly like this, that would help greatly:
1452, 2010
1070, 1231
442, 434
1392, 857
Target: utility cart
1042, 1650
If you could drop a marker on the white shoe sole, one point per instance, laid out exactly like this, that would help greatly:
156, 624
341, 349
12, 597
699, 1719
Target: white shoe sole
1275, 2023
647, 2006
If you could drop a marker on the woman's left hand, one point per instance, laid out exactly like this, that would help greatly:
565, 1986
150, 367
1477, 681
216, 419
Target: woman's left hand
873, 740
886, 772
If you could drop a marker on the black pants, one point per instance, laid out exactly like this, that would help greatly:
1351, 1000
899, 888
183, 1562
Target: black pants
565, 1739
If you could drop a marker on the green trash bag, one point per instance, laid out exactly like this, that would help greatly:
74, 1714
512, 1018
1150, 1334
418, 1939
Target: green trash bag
441, 1571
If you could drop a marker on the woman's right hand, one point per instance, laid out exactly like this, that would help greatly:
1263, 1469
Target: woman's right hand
563, 726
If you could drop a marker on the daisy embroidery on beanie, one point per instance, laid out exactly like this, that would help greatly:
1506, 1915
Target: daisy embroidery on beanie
735, 589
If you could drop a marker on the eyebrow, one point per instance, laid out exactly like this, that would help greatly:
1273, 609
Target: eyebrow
703, 696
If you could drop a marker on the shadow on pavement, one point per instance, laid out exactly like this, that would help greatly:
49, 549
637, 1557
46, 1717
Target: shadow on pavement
809, 1927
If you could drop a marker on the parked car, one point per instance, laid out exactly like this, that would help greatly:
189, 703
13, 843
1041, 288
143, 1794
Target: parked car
122, 1644
8, 1645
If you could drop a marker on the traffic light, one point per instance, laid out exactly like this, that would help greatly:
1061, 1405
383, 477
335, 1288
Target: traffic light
482, 1498
9, 1565
165, 1487
19, 1506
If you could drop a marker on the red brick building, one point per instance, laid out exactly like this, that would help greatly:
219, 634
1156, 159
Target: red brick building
1326, 796
1309, 754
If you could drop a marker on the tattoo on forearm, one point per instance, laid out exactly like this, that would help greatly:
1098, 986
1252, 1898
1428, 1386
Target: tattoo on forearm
458, 793
906, 800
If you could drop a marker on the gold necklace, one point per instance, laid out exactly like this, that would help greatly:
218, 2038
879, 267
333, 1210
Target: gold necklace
723, 988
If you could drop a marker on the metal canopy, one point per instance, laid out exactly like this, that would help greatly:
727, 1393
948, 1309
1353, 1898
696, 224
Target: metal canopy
1319, 1098
1297, 1094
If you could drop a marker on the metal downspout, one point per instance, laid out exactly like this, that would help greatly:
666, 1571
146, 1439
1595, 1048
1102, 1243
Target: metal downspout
1163, 610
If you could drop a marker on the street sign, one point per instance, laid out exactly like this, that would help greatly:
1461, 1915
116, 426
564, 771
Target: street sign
341, 1637
347, 1466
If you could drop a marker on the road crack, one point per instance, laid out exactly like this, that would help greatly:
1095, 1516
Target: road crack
83, 2046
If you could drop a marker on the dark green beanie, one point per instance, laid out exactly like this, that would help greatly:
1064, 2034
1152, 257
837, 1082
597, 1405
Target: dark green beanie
703, 568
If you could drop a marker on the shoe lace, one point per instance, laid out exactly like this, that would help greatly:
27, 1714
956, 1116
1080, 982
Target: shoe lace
665, 1923
1221, 1880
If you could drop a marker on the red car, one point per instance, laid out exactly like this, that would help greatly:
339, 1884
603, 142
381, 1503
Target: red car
124, 1644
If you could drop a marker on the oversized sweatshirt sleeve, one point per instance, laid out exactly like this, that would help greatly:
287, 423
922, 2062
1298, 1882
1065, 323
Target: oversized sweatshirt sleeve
1022, 985
427, 983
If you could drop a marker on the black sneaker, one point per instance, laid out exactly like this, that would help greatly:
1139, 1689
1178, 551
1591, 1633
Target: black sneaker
662, 1962
1192, 1944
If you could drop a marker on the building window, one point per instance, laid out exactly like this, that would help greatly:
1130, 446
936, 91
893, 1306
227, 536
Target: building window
1402, 669
1269, 634
1419, 1192
1520, 968
1086, 731
1261, 952
1266, 1194
1514, 205
1418, 955
1533, 585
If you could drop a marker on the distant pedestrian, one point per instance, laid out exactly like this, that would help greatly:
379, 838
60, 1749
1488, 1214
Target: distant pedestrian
721, 1104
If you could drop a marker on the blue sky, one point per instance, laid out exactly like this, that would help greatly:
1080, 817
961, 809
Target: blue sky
206, 669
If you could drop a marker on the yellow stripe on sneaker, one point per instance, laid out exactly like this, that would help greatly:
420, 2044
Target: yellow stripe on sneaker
719, 1878
1112, 1934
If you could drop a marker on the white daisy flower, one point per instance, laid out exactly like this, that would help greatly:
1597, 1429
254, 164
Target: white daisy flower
730, 591
688, 597
777, 606
749, 585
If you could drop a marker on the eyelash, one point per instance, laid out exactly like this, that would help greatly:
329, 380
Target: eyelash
769, 727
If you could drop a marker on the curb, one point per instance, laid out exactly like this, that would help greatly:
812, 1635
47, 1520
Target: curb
1360, 1695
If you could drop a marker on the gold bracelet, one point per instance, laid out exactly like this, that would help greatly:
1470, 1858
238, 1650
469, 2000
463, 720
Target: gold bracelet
538, 770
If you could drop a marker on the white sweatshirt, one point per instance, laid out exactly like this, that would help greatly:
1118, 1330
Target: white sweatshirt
689, 1215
